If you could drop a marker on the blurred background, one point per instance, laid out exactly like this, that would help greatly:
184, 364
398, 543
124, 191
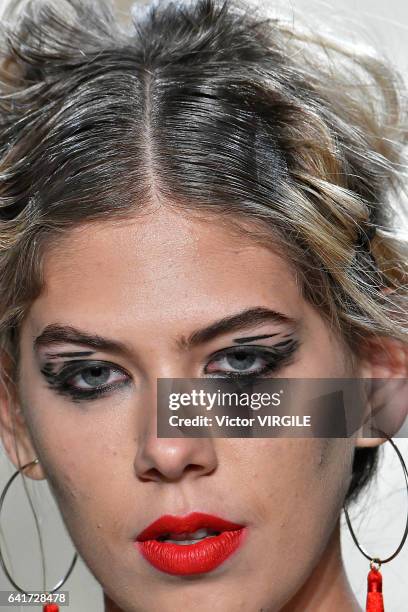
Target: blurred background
379, 519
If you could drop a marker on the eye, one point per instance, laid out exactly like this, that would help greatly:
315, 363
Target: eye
251, 361
94, 376
85, 380
240, 360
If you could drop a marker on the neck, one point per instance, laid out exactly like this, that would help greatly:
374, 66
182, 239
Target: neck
327, 587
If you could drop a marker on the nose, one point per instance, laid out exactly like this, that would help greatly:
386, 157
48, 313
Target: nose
173, 459
170, 459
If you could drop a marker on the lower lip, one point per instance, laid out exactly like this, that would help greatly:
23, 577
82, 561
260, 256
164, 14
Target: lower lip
187, 559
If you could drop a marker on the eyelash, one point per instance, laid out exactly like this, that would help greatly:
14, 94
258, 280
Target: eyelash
59, 381
275, 357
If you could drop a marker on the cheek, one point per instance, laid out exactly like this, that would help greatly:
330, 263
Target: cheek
70, 447
89, 494
310, 476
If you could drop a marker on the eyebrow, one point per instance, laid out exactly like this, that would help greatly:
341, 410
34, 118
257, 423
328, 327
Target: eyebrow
56, 333
245, 319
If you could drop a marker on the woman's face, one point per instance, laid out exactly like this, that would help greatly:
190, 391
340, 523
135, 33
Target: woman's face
147, 285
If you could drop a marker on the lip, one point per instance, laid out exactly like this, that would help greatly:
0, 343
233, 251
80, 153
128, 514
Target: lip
186, 559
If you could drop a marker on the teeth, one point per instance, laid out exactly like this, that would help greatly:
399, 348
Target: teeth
188, 538
187, 542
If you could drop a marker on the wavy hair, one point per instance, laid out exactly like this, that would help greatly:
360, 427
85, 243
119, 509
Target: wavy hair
213, 107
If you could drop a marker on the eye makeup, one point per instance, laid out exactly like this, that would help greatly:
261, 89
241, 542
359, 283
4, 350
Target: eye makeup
61, 380
253, 338
273, 357
270, 359
54, 356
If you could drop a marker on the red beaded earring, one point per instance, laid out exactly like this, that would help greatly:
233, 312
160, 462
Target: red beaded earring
375, 600
48, 595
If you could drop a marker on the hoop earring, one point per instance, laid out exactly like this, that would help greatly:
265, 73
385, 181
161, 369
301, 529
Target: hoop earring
375, 601
50, 607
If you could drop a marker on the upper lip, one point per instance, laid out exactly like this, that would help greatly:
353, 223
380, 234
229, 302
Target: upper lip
169, 524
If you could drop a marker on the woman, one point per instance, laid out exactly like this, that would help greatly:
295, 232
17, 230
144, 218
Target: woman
206, 193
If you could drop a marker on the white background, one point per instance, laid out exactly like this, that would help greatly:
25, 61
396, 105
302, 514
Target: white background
380, 518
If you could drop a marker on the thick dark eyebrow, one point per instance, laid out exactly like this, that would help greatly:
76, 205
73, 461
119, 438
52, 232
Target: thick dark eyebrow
245, 319
57, 334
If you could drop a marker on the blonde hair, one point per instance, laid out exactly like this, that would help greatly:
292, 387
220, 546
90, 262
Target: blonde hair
212, 107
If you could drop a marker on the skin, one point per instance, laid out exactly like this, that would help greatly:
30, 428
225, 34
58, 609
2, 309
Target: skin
149, 282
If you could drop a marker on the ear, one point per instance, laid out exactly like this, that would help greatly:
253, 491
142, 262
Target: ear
14, 431
386, 359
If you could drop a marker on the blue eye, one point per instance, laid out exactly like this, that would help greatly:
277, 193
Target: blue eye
252, 360
85, 380
239, 361
88, 380
94, 376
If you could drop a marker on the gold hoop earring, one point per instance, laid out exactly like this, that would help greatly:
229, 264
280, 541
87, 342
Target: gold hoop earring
47, 607
375, 601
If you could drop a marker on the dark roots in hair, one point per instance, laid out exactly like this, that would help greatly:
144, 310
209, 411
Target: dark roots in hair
208, 106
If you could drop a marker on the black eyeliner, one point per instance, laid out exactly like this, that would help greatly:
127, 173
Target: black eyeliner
252, 338
57, 381
280, 355
276, 356
52, 356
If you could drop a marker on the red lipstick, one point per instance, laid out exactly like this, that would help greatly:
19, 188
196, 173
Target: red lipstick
205, 541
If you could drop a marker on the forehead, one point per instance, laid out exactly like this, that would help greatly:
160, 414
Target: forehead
160, 264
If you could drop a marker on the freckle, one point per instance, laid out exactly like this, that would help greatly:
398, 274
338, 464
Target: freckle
323, 452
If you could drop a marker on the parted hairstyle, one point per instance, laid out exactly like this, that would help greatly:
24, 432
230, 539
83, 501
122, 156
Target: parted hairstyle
212, 107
